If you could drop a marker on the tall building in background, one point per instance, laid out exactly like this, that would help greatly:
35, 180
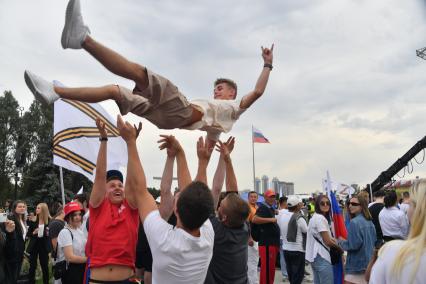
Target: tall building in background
287, 188
265, 183
276, 185
257, 185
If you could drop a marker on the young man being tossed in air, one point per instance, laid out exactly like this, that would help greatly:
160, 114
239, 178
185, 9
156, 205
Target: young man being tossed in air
153, 97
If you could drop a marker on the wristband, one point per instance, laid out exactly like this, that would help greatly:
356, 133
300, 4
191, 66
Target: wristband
268, 65
103, 139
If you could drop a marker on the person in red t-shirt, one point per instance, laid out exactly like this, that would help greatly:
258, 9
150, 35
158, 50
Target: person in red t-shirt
113, 222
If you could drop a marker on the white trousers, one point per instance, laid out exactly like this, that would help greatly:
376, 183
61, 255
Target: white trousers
252, 262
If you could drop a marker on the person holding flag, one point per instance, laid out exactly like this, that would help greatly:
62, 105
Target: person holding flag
319, 240
361, 240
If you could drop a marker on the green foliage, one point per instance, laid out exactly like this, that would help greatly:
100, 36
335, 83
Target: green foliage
9, 123
32, 134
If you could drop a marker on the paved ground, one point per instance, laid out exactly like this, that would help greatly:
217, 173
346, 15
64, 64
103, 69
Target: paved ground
308, 278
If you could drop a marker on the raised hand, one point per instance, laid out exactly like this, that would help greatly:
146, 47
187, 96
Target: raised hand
170, 143
204, 149
9, 226
226, 148
101, 127
127, 131
267, 54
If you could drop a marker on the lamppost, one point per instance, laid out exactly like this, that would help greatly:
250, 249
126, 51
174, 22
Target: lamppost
19, 156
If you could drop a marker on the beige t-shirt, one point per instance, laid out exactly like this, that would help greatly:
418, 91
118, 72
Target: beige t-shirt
218, 116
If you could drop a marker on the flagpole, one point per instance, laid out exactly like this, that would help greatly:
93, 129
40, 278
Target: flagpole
254, 171
62, 185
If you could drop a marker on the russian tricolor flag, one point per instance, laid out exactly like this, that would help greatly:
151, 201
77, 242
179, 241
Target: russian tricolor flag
338, 227
258, 136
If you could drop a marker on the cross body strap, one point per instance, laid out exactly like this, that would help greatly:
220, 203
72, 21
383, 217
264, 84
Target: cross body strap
321, 243
55, 256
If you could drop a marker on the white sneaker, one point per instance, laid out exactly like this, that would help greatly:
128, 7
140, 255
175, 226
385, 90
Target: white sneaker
42, 89
74, 32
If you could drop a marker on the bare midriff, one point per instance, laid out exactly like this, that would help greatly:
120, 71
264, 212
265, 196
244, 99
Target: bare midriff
111, 272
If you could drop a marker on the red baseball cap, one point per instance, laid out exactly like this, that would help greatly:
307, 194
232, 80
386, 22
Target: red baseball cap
72, 207
269, 193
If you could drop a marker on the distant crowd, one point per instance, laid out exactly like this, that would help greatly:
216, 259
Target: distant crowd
199, 234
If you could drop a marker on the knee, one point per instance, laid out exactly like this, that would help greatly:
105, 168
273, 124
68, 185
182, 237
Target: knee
113, 92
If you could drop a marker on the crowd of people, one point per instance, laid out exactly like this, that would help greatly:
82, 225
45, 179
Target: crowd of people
199, 234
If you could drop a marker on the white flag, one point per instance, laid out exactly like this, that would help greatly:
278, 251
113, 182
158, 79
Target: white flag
76, 138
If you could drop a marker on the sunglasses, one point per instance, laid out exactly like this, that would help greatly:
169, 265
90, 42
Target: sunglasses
354, 204
326, 203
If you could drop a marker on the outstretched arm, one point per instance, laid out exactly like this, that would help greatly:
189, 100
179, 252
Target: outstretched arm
172, 144
128, 192
250, 98
135, 181
219, 177
225, 150
218, 180
99, 184
204, 152
166, 205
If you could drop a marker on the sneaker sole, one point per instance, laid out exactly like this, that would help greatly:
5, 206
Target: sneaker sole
66, 32
34, 90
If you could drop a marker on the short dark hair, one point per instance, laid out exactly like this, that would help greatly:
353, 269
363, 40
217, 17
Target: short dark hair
406, 194
379, 193
283, 199
230, 83
236, 209
390, 199
70, 217
195, 205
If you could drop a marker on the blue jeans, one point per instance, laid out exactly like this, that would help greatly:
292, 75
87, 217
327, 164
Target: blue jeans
323, 271
282, 261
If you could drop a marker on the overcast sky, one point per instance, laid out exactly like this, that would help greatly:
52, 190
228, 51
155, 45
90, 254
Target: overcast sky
347, 92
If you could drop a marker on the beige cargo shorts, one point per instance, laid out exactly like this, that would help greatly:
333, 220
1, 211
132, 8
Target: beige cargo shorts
161, 103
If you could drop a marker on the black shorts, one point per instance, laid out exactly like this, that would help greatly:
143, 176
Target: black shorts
144, 260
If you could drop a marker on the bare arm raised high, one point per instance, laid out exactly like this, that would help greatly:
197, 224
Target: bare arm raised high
135, 181
172, 144
166, 205
225, 150
221, 171
99, 184
250, 98
204, 152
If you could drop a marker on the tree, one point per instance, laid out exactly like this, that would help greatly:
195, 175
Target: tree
40, 181
9, 121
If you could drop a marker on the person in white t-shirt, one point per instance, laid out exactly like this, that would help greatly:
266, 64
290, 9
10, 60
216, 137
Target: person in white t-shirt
283, 210
393, 221
405, 202
154, 97
181, 253
72, 243
404, 261
318, 242
293, 229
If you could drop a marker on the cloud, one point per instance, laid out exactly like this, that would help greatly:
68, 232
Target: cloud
346, 92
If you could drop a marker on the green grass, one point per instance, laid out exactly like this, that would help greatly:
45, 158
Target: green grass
39, 275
